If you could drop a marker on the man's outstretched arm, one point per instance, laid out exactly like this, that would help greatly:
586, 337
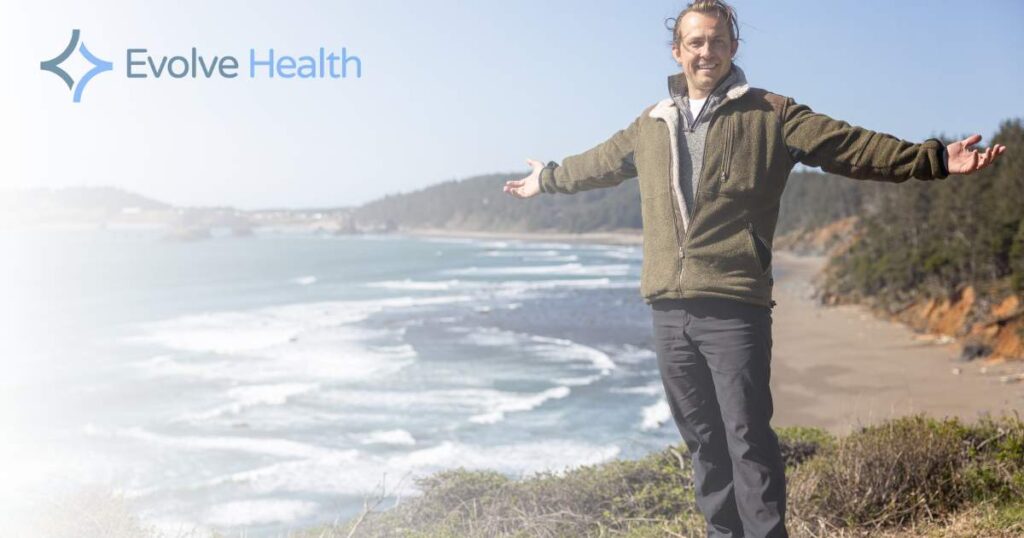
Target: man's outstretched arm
605, 165
840, 148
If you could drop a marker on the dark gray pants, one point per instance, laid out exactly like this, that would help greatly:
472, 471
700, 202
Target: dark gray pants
715, 362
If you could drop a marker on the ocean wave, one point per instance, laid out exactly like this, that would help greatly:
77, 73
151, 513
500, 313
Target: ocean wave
565, 268
330, 355
578, 381
652, 389
410, 284
238, 331
631, 253
478, 405
510, 403
655, 415
557, 349
242, 398
268, 446
631, 354
258, 512
563, 350
503, 288
525, 252
388, 437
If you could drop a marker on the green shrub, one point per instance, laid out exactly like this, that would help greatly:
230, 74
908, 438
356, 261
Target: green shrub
622, 495
908, 470
800, 443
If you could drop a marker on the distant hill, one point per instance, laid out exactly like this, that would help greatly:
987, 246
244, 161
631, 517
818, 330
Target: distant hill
106, 199
478, 203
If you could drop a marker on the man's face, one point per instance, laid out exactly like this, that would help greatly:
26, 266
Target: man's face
705, 51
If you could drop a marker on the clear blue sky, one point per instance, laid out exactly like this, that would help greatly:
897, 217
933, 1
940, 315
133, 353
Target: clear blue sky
452, 89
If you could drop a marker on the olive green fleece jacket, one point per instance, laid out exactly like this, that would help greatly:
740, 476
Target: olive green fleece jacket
755, 138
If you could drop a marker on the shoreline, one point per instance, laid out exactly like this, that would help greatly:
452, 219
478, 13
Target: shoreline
623, 237
840, 367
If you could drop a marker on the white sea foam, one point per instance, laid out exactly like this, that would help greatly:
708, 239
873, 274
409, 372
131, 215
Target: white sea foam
578, 381
251, 445
242, 398
410, 284
518, 402
248, 330
631, 253
329, 355
655, 415
559, 349
388, 437
543, 256
525, 252
551, 245
631, 354
506, 288
258, 512
298, 342
569, 258
566, 350
652, 389
492, 336
565, 269
479, 405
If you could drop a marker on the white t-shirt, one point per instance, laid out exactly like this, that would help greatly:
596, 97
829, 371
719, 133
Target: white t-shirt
695, 106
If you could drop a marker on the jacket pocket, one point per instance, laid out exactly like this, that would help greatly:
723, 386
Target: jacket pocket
736, 177
762, 252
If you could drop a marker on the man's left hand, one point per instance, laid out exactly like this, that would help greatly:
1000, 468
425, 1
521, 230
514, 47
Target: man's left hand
964, 160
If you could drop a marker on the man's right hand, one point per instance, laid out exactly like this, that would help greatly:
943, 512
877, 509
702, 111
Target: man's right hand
529, 185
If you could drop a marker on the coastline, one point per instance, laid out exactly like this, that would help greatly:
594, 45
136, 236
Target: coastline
840, 367
623, 237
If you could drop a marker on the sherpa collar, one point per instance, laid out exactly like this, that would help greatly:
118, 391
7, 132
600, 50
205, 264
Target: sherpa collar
735, 83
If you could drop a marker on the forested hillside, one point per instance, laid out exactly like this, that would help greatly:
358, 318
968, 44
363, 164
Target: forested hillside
932, 238
478, 203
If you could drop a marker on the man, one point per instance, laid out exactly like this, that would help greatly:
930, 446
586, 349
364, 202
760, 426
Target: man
712, 161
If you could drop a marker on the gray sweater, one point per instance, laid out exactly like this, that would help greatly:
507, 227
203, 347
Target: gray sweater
693, 131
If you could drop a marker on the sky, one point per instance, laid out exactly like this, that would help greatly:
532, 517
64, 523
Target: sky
452, 89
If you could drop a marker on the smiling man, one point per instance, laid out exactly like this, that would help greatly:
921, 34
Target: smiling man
712, 161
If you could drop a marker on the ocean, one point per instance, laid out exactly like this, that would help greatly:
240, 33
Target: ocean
278, 381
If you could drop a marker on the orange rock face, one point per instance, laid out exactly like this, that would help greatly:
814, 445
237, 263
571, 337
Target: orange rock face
1002, 328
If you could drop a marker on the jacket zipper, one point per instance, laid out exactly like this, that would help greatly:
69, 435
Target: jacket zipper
696, 206
686, 231
696, 189
700, 114
724, 175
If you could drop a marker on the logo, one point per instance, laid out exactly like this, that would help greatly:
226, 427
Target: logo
53, 66
267, 63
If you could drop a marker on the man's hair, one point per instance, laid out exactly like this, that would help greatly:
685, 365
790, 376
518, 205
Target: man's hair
718, 8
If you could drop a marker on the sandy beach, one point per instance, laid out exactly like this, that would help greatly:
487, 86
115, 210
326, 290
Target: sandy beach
839, 367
